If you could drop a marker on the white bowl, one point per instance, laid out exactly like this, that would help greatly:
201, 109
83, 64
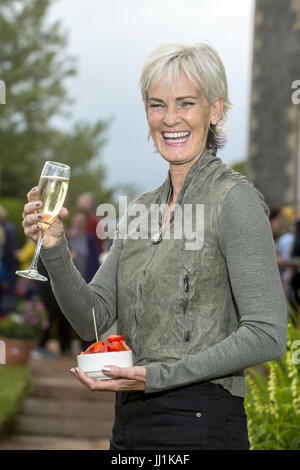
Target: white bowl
92, 364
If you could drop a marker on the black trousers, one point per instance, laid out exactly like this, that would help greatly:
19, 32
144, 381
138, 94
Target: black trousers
202, 416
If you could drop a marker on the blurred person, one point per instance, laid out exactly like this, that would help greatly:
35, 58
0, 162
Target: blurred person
25, 254
283, 240
194, 317
86, 203
83, 246
295, 273
55, 317
25, 288
296, 244
8, 299
2, 267
84, 250
286, 236
2, 242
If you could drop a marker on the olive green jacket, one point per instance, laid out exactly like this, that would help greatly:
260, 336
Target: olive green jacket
190, 312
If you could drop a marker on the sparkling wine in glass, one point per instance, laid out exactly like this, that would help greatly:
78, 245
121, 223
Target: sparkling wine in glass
53, 185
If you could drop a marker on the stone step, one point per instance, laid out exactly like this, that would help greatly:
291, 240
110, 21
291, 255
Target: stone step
101, 410
61, 426
67, 388
61, 413
33, 442
52, 367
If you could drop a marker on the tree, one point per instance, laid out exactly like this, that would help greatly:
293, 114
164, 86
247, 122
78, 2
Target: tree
34, 66
240, 167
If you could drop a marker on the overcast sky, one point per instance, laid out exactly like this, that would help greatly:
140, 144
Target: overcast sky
111, 40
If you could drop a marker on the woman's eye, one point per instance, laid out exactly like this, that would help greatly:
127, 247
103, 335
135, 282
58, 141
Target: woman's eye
184, 104
155, 105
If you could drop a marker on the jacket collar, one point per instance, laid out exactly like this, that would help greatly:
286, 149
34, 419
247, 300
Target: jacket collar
196, 174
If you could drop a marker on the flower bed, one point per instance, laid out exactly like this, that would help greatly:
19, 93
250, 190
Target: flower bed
27, 323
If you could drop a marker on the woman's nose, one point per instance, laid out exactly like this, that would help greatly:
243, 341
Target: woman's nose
171, 117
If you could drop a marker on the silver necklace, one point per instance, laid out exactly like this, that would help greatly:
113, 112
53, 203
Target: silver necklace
157, 237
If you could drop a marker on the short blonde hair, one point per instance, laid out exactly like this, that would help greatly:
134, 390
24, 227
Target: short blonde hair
203, 67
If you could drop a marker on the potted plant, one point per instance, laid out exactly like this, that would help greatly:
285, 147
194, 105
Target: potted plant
21, 330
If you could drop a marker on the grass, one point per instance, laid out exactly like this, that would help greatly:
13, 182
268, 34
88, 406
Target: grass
14, 387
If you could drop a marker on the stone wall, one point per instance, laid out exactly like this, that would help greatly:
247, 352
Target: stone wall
274, 119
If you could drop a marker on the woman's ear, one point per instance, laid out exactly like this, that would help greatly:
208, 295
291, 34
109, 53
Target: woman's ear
216, 110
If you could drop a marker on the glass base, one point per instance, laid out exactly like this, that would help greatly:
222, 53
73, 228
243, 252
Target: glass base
32, 274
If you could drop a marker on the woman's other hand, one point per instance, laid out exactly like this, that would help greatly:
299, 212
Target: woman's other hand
33, 215
123, 379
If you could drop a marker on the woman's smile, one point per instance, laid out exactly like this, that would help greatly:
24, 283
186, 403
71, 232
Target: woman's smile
176, 138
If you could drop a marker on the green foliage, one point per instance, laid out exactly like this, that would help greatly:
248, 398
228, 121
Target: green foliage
14, 208
27, 324
34, 67
15, 385
240, 167
273, 400
79, 148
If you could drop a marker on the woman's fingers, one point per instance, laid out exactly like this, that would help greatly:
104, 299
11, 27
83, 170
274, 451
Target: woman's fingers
32, 194
122, 379
34, 205
91, 383
33, 216
130, 373
32, 231
31, 207
31, 224
32, 219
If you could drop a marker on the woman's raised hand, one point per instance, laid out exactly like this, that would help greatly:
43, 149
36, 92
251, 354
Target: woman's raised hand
32, 219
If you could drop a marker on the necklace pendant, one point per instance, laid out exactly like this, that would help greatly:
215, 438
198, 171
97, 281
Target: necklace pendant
157, 237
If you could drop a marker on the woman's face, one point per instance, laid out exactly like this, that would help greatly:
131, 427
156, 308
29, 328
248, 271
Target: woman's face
179, 119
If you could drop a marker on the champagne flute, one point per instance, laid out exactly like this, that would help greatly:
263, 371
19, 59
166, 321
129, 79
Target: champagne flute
53, 185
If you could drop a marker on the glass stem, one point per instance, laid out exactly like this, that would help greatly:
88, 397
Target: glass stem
37, 252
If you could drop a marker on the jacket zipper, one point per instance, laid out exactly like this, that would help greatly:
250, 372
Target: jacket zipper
186, 316
134, 332
138, 309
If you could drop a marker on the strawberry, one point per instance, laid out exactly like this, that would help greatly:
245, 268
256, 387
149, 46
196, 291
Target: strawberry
112, 338
115, 343
126, 348
94, 348
104, 348
115, 346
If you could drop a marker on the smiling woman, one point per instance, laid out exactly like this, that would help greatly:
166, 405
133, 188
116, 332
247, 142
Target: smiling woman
200, 74
194, 315
179, 124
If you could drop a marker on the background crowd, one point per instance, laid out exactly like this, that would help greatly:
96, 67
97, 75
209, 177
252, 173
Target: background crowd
285, 225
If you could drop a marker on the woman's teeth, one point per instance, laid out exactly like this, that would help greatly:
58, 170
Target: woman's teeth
176, 136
